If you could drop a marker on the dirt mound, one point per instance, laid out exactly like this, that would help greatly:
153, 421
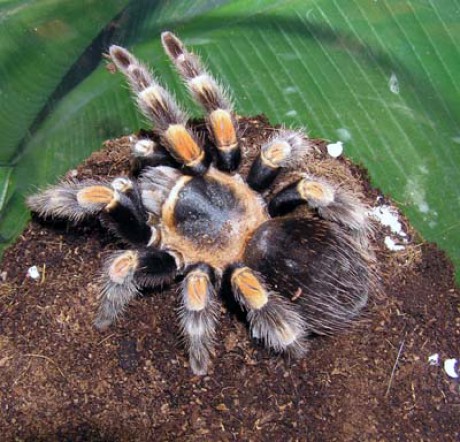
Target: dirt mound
60, 379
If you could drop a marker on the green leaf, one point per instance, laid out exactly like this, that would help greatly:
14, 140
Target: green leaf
380, 75
39, 42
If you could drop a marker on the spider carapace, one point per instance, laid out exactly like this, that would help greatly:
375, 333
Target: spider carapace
192, 215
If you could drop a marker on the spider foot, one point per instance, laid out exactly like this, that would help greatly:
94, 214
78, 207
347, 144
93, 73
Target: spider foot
198, 316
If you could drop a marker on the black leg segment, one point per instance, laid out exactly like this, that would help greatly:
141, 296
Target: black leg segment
126, 215
285, 201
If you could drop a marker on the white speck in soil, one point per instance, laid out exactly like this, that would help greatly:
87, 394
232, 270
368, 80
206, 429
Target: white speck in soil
450, 368
33, 273
335, 149
389, 217
392, 245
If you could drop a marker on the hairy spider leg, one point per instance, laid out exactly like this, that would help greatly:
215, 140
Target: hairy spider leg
198, 312
211, 95
118, 205
286, 149
67, 200
124, 274
272, 318
331, 202
157, 104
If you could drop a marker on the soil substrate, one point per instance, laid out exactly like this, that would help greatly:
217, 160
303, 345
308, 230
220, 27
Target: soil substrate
61, 379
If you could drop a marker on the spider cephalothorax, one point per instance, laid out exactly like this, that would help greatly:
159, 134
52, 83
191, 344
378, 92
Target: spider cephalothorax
191, 215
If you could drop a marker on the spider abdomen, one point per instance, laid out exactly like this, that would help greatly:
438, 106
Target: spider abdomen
210, 218
317, 265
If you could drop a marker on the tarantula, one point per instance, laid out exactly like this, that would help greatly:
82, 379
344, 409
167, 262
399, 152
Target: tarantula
190, 214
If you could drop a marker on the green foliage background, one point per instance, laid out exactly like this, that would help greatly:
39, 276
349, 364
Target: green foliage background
323, 64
